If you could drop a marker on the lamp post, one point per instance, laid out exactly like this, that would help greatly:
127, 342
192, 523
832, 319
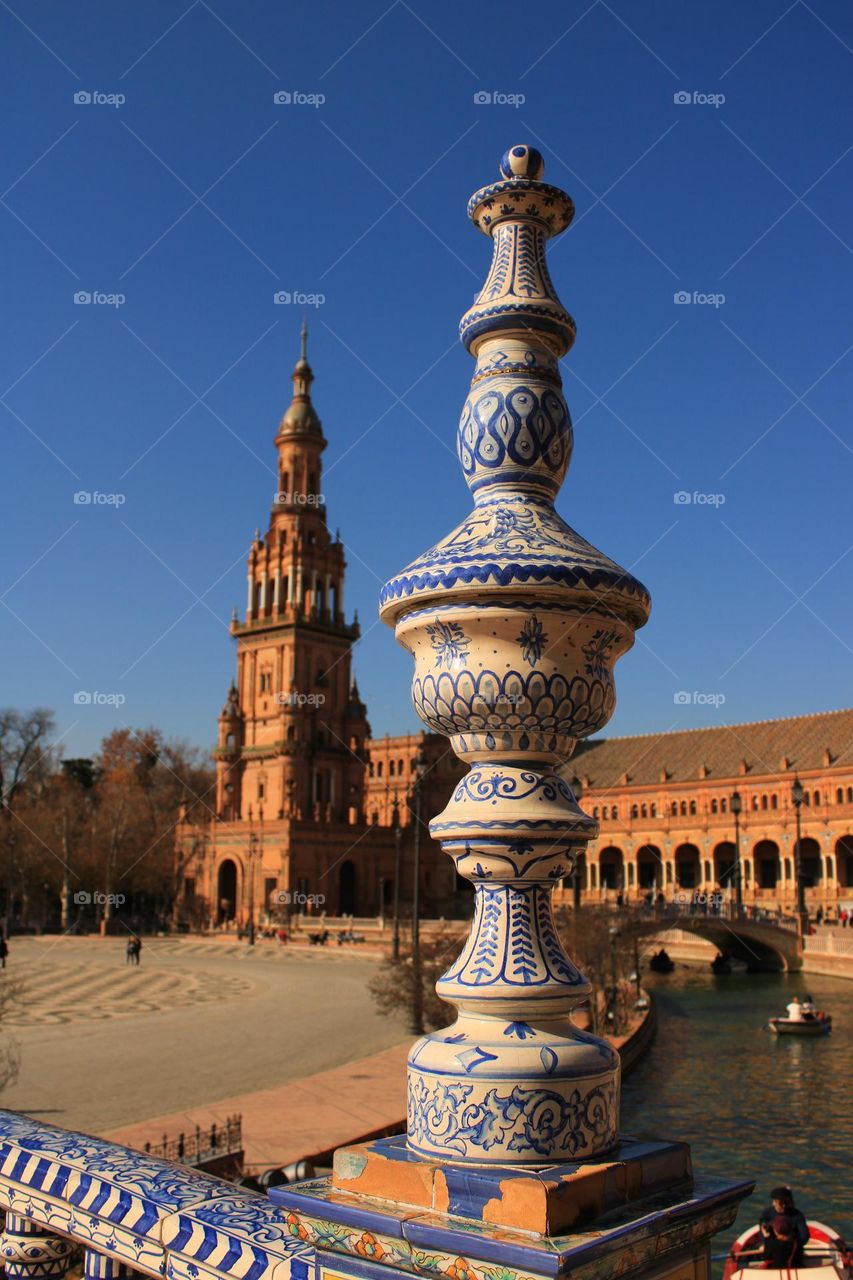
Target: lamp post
797, 795
737, 807
577, 789
398, 846
417, 1027
614, 1001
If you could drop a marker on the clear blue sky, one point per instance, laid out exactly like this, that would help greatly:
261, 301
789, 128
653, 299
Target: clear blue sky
199, 197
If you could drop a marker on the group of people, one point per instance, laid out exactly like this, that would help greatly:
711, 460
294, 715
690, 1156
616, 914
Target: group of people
825, 917
784, 1233
802, 1010
132, 950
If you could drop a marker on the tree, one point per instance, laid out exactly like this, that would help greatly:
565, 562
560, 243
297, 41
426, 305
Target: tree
393, 989
26, 761
601, 943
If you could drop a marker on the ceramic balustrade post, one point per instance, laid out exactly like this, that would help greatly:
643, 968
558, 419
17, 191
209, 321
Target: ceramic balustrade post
98, 1266
32, 1252
514, 622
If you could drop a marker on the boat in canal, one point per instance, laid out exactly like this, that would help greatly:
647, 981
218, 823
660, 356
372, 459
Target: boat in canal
721, 963
826, 1257
661, 962
804, 1019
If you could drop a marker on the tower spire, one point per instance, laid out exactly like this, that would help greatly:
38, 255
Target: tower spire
300, 417
303, 335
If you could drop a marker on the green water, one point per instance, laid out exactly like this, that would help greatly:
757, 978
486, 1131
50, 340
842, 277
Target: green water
752, 1105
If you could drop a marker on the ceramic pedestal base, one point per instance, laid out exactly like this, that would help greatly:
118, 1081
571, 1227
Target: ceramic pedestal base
635, 1213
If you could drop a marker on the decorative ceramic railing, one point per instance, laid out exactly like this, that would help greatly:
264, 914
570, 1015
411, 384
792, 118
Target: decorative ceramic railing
131, 1213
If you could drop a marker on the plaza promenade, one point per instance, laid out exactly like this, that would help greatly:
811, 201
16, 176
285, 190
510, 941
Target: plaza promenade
104, 1044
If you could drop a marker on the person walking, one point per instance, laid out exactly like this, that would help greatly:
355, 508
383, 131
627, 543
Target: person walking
4, 951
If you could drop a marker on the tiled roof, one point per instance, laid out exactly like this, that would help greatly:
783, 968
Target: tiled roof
715, 754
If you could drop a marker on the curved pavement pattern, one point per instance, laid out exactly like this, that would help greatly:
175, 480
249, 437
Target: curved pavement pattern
105, 1044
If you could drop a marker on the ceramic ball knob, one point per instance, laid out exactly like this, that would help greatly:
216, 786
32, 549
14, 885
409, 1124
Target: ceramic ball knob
522, 162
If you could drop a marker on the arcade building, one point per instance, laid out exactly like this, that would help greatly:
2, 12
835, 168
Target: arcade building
313, 814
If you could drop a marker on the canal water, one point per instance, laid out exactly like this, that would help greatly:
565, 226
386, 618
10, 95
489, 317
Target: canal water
773, 1109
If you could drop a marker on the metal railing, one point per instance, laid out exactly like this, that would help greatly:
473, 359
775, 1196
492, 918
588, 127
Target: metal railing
201, 1145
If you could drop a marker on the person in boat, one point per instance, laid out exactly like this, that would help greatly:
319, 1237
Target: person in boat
795, 1010
782, 1205
810, 1009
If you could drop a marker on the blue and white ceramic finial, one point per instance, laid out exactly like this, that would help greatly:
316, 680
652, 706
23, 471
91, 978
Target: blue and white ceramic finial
522, 162
515, 623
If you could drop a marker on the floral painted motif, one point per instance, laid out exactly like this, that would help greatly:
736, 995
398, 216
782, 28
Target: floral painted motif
597, 653
449, 642
532, 640
295, 1227
369, 1247
461, 1269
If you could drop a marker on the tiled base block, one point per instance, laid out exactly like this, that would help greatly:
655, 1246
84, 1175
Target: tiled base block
362, 1238
549, 1200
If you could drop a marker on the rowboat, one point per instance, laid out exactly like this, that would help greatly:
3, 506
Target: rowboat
818, 1024
826, 1257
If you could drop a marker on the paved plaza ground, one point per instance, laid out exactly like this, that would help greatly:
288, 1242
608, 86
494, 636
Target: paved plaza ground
105, 1044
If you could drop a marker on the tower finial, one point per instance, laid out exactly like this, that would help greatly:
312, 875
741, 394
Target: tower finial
303, 334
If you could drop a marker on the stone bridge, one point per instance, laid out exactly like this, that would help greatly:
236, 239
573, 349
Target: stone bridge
763, 944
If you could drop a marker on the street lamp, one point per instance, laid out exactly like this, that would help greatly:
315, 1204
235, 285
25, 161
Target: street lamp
797, 795
254, 842
737, 807
417, 1027
614, 989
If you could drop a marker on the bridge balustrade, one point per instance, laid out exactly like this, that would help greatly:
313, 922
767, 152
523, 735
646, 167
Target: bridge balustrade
131, 1213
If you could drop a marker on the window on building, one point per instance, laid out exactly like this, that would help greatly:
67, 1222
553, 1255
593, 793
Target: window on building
839, 795
189, 886
850, 795
806, 798
755, 802
714, 806
595, 812
400, 767
674, 809
816, 797
379, 769
229, 741
634, 811
374, 819
693, 808
654, 811
774, 801
684, 808
764, 802
724, 804
644, 811
829, 869
372, 769
260, 791
390, 768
